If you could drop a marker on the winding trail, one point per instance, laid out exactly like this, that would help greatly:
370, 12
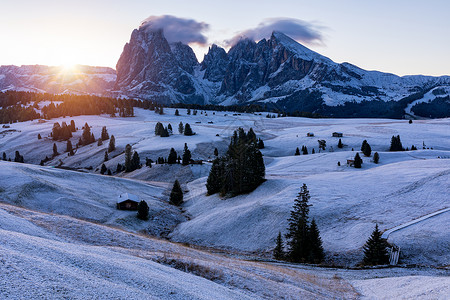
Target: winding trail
386, 234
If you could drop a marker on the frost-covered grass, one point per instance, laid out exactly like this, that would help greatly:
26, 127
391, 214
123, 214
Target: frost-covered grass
346, 202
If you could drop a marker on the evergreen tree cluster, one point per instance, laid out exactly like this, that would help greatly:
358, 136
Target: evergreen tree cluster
396, 144
104, 135
304, 150
87, 136
132, 160
241, 169
161, 131
20, 106
366, 149
17, 158
303, 238
63, 131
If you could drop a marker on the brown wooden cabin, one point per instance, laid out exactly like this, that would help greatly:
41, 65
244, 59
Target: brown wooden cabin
310, 134
127, 202
338, 134
350, 162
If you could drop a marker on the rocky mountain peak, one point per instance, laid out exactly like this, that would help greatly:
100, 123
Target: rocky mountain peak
215, 63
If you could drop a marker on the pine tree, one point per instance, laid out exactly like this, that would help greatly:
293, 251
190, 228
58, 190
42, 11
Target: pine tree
298, 231
177, 113
106, 156
143, 210
215, 177
112, 144
99, 142
365, 148
181, 128
109, 172
396, 144
278, 252
86, 136
159, 129
72, 126
316, 250
376, 157
39, 136
69, 147
340, 145
304, 150
148, 162
55, 150
216, 152
186, 155
363, 145
135, 161
188, 111
176, 195
187, 130
357, 161
104, 135
128, 166
103, 169
172, 158
375, 252
169, 129
322, 144
312, 152
165, 132
18, 158
119, 168
260, 144
4, 156
297, 151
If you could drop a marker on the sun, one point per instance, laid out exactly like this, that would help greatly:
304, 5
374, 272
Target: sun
68, 68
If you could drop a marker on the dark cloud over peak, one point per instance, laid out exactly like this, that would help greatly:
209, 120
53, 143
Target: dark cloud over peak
178, 29
298, 30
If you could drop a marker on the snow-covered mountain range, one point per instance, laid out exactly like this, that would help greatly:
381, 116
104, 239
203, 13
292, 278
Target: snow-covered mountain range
277, 72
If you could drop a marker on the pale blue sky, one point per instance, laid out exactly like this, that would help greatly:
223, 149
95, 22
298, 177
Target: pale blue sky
397, 36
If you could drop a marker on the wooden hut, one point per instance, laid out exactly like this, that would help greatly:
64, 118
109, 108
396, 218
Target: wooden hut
127, 201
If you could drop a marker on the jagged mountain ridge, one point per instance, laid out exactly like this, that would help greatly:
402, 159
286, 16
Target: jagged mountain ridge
277, 70
47, 79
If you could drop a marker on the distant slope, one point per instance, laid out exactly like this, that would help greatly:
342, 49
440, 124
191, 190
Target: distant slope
85, 196
57, 80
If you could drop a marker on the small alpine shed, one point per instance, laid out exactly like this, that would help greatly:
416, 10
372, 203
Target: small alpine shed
127, 201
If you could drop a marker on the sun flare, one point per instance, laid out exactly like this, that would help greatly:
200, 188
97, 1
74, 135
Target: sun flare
68, 68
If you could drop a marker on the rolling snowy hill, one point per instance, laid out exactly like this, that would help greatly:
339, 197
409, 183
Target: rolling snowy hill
58, 221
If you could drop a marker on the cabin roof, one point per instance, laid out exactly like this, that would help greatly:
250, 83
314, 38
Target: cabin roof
127, 196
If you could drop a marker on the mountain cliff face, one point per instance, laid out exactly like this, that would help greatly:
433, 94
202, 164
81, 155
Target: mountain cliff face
150, 68
56, 80
278, 72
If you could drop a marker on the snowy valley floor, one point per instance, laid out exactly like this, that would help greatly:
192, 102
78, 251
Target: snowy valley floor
61, 234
